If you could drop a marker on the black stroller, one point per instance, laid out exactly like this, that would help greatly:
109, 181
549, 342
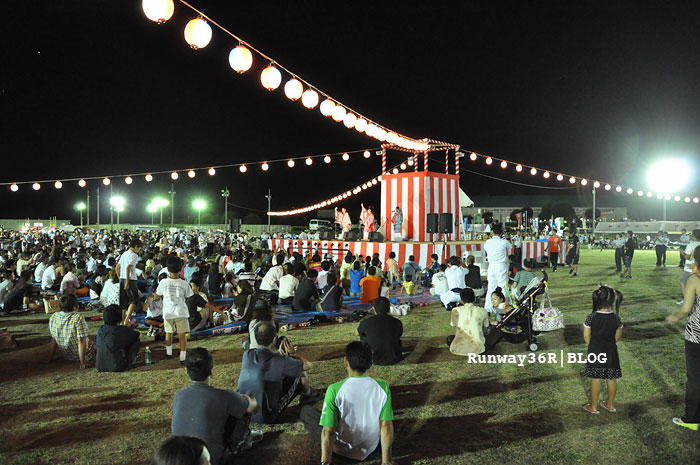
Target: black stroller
516, 325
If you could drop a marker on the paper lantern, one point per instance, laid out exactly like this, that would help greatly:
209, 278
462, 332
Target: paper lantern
240, 59
649, 194
346, 157
198, 33
640, 193
58, 184
309, 161
504, 164
361, 125
82, 183
696, 200
572, 180
174, 175
128, 180
473, 157
533, 171
350, 120
677, 198
629, 190
290, 163
327, 107
618, 189
270, 78
366, 154
596, 184
608, 187
293, 89
158, 11
339, 113
518, 167
545, 175
327, 159
149, 177
560, 177
489, 160
212, 171
403, 166
36, 186
191, 174
106, 181
243, 169
14, 188
309, 98
265, 166
395, 171
584, 182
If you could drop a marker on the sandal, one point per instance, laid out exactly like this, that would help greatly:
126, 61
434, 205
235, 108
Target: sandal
605, 406
587, 409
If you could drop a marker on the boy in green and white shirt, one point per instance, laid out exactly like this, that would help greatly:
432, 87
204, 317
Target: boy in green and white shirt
357, 414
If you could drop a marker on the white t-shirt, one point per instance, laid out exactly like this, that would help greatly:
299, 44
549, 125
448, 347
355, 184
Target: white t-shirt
48, 278
323, 279
155, 308
271, 281
690, 263
128, 258
39, 272
455, 277
174, 293
288, 285
440, 283
497, 250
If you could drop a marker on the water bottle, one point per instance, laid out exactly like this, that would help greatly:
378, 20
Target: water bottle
147, 356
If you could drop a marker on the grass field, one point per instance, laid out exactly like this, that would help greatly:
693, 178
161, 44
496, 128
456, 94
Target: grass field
447, 410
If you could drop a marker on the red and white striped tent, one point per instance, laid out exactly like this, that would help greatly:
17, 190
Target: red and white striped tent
537, 249
419, 193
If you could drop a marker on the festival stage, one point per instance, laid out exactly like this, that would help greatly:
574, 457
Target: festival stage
420, 250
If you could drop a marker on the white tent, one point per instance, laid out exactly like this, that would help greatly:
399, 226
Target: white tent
464, 201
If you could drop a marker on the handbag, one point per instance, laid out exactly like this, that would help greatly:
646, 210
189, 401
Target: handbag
547, 317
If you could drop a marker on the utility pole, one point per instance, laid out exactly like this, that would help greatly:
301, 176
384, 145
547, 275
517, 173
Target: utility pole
269, 199
88, 206
664, 208
225, 193
172, 204
98, 208
111, 210
593, 215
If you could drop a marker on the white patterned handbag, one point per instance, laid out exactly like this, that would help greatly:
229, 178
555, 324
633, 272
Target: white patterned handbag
547, 317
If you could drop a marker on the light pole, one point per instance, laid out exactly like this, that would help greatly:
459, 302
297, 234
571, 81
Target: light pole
172, 204
151, 208
225, 193
80, 206
199, 205
159, 203
269, 200
593, 215
117, 203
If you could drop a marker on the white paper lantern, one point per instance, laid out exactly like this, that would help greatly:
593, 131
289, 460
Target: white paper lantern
327, 107
149, 177
36, 186
106, 181
339, 113
174, 175
327, 159
58, 184
158, 11
290, 163
293, 89
361, 125
270, 78
14, 188
350, 120
212, 171
309, 98
82, 183
366, 154
240, 59
128, 180
243, 169
198, 33
346, 157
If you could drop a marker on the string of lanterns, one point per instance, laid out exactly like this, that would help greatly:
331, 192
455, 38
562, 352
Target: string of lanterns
576, 180
342, 196
191, 173
198, 34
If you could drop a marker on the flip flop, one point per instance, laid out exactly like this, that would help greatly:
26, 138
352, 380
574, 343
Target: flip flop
585, 407
611, 410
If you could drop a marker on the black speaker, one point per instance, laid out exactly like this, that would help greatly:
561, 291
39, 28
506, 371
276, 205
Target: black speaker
375, 236
446, 226
235, 225
350, 236
326, 235
431, 223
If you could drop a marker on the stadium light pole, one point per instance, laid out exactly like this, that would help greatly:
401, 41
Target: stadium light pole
117, 203
160, 202
151, 208
80, 206
667, 176
225, 193
199, 205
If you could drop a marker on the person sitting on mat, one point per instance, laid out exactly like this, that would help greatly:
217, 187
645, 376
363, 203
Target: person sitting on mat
288, 285
469, 321
117, 346
383, 333
370, 285
306, 295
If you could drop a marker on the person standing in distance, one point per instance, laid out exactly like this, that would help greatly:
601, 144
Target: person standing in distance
497, 251
397, 219
554, 247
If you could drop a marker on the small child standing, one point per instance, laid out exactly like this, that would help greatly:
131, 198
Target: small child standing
601, 331
174, 291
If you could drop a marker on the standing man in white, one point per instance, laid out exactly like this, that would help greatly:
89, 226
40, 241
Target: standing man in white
497, 251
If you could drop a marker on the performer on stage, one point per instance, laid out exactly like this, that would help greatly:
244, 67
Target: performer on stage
367, 218
397, 219
343, 219
497, 251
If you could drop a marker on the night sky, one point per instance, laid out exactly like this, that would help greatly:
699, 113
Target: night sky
593, 89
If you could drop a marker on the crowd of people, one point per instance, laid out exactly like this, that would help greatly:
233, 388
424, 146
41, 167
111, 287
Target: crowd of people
174, 279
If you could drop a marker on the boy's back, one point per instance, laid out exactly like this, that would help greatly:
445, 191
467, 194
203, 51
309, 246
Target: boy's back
174, 293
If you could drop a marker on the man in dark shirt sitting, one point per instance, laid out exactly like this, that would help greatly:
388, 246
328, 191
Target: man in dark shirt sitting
473, 279
218, 416
117, 346
273, 378
306, 295
18, 299
199, 319
383, 334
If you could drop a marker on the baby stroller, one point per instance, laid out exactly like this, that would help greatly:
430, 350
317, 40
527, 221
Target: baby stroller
516, 325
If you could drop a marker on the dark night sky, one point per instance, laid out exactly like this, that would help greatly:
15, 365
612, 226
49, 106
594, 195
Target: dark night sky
594, 89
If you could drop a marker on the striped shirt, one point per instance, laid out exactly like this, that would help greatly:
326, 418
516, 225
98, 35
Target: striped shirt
692, 328
67, 329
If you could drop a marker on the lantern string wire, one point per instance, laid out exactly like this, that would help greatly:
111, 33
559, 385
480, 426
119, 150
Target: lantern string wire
201, 168
277, 63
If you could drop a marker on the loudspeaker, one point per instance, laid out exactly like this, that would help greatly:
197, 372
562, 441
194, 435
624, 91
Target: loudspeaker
350, 236
446, 226
235, 225
431, 223
375, 236
326, 235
